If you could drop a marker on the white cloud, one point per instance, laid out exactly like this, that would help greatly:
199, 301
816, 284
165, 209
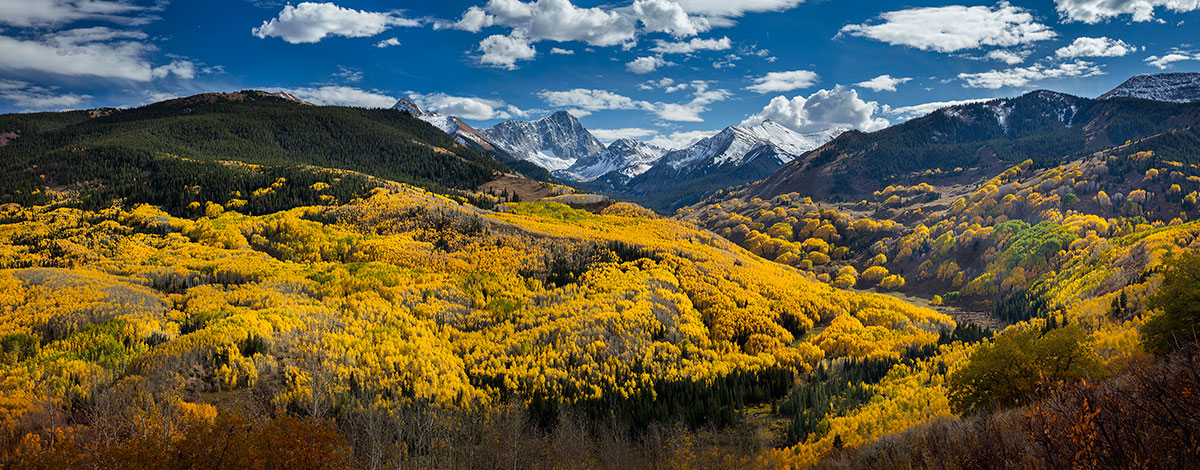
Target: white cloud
1164, 62
954, 28
702, 96
775, 82
344, 96
666, 16
180, 68
1007, 56
88, 52
688, 47
918, 110
464, 106
1095, 47
735, 8
311, 22
1095, 11
554, 20
824, 109
643, 65
603, 100
348, 74
883, 82
473, 20
609, 135
657, 84
389, 42
561, 51
35, 98
505, 51
41, 13
1021, 76
679, 140
561, 21
591, 100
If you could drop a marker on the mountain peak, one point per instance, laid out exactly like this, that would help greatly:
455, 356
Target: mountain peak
554, 142
409, 107
1175, 87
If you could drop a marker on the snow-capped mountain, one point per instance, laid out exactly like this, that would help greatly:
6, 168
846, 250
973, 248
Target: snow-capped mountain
461, 131
736, 143
626, 158
454, 126
1170, 87
736, 155
409, 107
554, 143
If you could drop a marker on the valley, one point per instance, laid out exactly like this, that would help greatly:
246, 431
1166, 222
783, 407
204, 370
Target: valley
342, 287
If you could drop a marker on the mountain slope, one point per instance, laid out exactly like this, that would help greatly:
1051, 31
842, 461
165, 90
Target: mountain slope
473, 139
964, 143
194, 134
625, 158
1172, 87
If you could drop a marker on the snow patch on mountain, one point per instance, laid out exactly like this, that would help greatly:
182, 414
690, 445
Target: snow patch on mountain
734, 144
626, 157
554, 143
1169, 87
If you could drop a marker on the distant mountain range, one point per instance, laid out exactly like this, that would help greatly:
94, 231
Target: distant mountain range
660, 178
964, 143
956, 145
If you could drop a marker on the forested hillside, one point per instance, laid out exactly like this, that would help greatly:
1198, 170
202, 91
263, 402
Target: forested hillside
176, 143
966, 143
1084, 263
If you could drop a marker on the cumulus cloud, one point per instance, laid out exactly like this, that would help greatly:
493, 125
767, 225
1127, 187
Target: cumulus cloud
89, 52
561, 51
954, 28
1007, 56
702, 96
36, 98
310, 22
344, 96
554, 20
561, 21
735, 8
666, 16
42, 13
643, 65
473, 20
465, 107
389, 42
918, 110
883, 83
824, 109
609, 135
688, 47
775, 82
679, 140
1095, 47
1021, 76
1164, 62
505, 51
1095, 11
590, 100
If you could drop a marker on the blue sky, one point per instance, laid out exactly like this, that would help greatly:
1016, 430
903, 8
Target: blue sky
661, 70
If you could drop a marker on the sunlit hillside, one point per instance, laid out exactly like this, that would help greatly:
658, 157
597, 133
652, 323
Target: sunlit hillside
135, 322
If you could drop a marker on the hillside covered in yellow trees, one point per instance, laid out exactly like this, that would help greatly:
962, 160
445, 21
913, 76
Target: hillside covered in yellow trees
125, 322
314, 301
